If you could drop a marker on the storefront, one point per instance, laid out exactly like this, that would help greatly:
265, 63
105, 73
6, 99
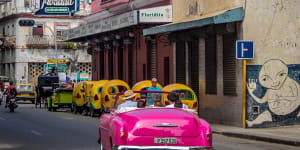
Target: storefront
119, 49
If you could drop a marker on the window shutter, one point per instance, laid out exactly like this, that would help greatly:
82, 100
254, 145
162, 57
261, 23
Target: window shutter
229, 64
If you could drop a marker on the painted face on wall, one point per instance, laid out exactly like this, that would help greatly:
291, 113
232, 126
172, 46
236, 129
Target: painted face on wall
273, 74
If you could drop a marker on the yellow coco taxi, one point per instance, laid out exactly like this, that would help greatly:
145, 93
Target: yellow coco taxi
78, 98
187, 95
143, 85
109, 91
87, 86
26, 92
95, 98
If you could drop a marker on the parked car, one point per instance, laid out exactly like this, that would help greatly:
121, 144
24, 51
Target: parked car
61, 98
153, 128
26, 92
109, 91
96, 107
188, 96
78, 98
143, 85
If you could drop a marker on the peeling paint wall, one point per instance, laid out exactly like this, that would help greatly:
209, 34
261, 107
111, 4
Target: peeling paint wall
273, 77
187, 10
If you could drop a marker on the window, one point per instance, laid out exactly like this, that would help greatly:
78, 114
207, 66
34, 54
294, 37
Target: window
26, 3
38, 30
13, 29
60, 28
210, 65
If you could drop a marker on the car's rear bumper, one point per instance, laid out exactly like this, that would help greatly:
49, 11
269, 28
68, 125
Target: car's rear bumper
163, 148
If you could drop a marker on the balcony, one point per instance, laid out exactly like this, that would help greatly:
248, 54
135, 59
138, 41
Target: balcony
46, 41
38, 41
9, 41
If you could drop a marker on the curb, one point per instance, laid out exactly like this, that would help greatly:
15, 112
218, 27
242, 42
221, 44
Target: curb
259, 138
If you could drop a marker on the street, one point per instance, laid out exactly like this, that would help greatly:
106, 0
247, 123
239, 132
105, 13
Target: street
35, 129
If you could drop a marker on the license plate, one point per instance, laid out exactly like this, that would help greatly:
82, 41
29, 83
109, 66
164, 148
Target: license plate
165, 140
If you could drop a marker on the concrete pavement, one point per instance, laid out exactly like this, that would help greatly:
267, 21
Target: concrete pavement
289, 135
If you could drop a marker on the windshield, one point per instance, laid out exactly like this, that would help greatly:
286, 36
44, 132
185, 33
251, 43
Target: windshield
25, 88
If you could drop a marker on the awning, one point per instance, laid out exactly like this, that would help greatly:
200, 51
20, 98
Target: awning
232, 15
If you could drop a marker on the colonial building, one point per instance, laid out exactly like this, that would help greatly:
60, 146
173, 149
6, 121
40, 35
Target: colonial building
260, 92
119, 50
26, 48
199, 49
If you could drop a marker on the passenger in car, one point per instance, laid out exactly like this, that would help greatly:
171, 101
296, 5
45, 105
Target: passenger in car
141, 103
157, 100
129, 97
175, 101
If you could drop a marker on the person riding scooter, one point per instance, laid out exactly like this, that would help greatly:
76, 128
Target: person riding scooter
11, 93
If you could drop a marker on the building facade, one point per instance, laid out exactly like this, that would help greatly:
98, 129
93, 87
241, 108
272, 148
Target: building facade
26, 48
260, 92
199, 49
119, 49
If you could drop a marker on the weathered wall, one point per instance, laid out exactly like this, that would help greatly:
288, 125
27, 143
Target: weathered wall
187, 10
273, 77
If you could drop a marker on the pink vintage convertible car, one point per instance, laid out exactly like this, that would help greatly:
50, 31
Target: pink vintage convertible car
154, 128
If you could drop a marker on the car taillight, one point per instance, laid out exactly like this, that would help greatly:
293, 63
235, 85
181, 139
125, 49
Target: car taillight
122, 133
208, 136
195, 105
54, 99
18, 93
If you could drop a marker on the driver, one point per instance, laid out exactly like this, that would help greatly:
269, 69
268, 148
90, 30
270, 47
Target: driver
11, 92
129, 97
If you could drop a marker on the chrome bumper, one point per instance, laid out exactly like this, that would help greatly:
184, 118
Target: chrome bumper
163, 148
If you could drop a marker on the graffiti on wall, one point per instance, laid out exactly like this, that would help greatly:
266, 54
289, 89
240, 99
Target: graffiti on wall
273, 94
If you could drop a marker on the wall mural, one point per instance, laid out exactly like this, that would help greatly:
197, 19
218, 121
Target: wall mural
273, 94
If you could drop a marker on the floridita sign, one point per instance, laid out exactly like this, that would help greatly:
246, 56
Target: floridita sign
161, 14
56, 7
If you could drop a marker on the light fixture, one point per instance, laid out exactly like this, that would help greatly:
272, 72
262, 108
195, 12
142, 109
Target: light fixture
106, 38
131, 34
118, 36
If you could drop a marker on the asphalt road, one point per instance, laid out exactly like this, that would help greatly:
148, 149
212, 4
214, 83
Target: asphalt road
37, 129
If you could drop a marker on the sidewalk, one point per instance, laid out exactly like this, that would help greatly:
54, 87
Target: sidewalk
289, 135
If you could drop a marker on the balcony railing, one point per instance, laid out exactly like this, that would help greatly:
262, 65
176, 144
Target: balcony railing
46, 41
37, 40
9, 41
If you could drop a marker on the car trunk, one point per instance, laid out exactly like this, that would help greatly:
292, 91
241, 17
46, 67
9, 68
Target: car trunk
162, 122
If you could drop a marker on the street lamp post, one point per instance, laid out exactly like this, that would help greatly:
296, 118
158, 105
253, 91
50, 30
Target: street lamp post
30, 23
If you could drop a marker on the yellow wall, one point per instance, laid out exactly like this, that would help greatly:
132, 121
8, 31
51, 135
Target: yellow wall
187, 10
274, 26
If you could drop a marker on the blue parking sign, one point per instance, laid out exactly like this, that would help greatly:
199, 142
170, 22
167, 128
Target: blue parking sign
244, 50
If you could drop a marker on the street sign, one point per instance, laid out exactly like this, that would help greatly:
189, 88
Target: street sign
34, 65
59, 61
61, 67
244, 50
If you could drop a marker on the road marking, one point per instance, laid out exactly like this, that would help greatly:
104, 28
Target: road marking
36, 133
68, 118
2, 119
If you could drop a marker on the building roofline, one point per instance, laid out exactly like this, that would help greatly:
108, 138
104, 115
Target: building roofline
26, 15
